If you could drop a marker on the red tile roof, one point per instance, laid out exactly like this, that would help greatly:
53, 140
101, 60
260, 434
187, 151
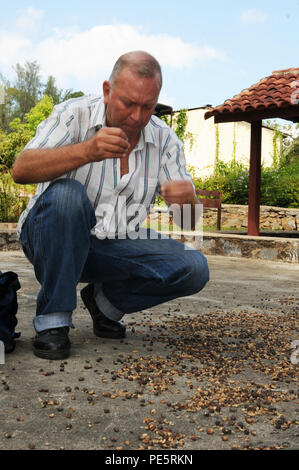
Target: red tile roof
279, 90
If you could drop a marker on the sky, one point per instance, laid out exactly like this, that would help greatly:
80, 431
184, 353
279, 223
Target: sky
209, 50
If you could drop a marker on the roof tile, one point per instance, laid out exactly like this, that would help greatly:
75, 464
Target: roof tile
275, 91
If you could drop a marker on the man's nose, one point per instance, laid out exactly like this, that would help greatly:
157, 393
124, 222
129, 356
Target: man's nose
136, 114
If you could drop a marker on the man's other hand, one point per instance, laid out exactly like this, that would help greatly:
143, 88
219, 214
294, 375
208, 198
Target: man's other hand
178, 192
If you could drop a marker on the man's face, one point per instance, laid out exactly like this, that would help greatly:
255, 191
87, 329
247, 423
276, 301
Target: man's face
131, 102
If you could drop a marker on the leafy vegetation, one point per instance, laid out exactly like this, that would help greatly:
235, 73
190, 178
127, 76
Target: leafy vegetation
13, 197
26, 91
279, 183
23, 131
179, 125
27, 102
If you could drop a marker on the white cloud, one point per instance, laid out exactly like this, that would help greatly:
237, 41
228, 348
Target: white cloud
13, 49
209, 53
87, 57
28, 20
253, 16
85, 53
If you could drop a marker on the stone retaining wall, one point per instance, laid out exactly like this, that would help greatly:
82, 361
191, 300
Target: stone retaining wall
9, 240
233, 215
240, 246
271, 218
243, 246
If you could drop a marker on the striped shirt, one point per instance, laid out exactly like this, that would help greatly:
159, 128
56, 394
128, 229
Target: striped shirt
121, 203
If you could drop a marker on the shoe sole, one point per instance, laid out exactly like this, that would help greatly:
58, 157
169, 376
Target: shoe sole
52, 355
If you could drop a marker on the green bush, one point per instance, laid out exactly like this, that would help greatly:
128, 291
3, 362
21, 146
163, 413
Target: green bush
22, 132
279, 186
13, 198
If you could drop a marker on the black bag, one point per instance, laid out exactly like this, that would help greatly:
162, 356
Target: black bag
9, 284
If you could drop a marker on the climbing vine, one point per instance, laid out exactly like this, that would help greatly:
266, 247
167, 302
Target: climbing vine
166, 119
277, 146
179, 125
217, 148
180, 122
234, 144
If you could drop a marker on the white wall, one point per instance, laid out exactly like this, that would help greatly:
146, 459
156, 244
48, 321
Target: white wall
234, 139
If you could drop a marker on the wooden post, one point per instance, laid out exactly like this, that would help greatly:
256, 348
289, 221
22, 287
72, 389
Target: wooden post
255, 178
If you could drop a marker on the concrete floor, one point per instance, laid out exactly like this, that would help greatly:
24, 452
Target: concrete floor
211, 371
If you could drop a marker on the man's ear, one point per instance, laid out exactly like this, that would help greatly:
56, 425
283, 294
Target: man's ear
106, 91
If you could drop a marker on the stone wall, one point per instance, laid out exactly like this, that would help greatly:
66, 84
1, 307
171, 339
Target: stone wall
271, 218
9, 240
241, 246
236, 216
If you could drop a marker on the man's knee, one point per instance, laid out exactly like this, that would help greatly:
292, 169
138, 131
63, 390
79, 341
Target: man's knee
66, 192
199, 272
69, 199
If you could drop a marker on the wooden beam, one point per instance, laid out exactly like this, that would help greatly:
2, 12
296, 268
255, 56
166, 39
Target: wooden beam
255, 178
290, 114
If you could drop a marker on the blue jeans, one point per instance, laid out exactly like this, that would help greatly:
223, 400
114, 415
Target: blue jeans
128, 275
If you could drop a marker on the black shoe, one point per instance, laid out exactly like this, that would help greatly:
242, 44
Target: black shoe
102, 326
52, 344
9, 346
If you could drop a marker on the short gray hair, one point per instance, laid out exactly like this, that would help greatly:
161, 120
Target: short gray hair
139, 62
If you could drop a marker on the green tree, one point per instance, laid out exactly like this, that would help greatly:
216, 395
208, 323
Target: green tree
22, 132
27, 88
69, 94
6, 104
52, 90
291, 154
59, 95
